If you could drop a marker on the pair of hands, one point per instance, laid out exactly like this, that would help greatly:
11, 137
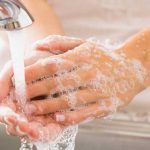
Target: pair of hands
68, 80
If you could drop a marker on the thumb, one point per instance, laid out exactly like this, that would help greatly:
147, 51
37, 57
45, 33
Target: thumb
57, 44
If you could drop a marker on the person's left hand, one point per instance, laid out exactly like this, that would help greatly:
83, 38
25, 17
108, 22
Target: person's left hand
86, 82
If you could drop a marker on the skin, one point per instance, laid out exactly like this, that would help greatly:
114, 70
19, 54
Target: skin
87, 95
41, 28
45, 21
14, 125
93, 98
98, 102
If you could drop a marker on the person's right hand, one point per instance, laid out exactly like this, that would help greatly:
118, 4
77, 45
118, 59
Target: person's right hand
39, 128
18, 124
57, 45
52, 45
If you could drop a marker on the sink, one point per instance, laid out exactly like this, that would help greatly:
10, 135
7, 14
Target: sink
8, 142
113, 135
100, 135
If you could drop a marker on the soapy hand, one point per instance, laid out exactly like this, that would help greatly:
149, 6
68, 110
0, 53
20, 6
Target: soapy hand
28, 126
81, 84
84, 83
56, 45
42, 128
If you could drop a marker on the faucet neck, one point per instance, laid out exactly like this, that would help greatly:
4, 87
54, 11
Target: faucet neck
14, 15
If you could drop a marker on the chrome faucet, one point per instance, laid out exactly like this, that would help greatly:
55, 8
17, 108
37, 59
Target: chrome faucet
14, 15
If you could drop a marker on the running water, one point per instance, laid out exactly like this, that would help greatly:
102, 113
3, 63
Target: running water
17, 55
17, 49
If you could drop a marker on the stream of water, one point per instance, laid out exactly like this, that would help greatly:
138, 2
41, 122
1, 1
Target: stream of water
17, 55
17, 49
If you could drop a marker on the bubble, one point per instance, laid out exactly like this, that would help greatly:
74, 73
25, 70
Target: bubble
111, 79
139, 69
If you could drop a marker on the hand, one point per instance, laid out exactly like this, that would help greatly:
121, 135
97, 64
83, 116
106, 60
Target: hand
52, 45
87, 80
56, 45
25, 126
42, 128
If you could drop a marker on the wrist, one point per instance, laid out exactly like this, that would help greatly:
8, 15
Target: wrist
45, 20
34, 5
138, 48
33, 1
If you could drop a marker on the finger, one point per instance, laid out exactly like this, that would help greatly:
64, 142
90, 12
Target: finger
10, 120
47, 68
34, 133
78, 116
34, 126
5, 116
44, 128
71, 80
22, 129
45, 124
7, 72
11, 131
44, 133
44, 120
57, 44
34, 56
25, 129
58, 64
15, 126
74, 99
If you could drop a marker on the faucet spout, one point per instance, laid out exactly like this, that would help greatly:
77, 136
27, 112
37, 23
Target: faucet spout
14, 15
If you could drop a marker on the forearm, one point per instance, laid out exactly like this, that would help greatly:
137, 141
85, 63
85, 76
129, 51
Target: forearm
46, 22
138, 47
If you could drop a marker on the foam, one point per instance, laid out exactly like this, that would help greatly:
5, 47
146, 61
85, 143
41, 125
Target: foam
106, 81
140, 70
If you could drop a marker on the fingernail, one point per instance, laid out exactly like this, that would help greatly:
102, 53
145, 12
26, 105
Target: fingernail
6, 120
9, 121
20, 131
33, 134
60, 118
30, 109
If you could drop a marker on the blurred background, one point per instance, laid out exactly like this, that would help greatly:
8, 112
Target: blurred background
104, 19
